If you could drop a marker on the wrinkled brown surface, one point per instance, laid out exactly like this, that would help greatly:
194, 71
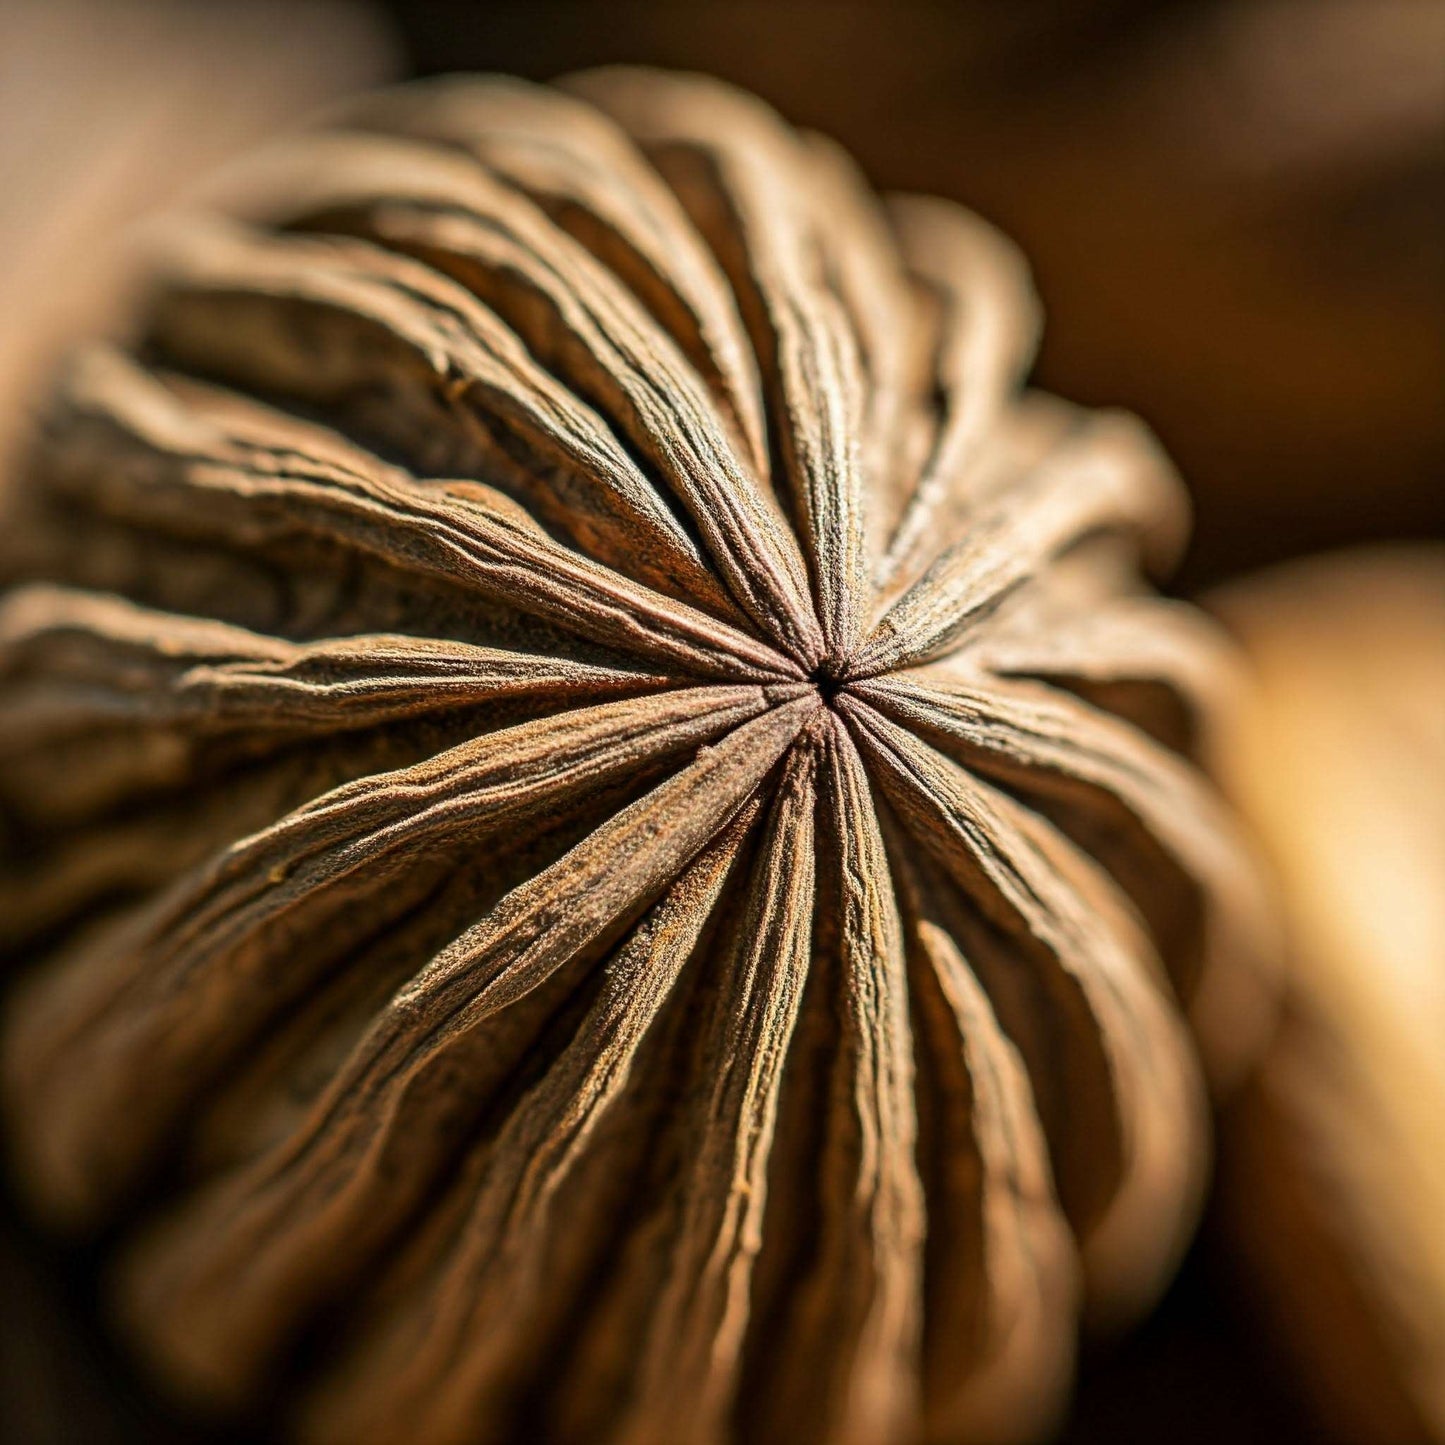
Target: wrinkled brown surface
599, 808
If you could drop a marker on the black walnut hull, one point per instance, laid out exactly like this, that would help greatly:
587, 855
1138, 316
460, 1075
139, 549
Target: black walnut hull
601, 815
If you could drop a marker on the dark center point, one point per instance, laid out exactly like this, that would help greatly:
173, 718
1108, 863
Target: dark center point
825, 678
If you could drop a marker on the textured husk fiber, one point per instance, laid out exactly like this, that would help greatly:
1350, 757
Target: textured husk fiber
600, 816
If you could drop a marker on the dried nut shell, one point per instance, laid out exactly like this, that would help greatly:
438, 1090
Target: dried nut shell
603, 813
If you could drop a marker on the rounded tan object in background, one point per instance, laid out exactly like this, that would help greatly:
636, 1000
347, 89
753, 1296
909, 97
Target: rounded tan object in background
1333, 1162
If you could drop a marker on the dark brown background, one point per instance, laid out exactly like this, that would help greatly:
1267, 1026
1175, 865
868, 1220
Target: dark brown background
1236, 215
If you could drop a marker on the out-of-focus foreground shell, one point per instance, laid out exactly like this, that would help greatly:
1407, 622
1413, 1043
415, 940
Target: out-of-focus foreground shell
601, 827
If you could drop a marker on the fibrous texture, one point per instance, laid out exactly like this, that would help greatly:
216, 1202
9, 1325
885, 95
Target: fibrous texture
602, 815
